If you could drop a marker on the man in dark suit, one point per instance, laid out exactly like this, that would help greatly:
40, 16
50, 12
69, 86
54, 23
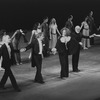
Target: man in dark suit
36, 59
75, 56
6, 53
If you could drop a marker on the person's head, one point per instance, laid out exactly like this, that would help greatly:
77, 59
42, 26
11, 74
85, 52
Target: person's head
70, 18
46, 20
40, 36
36, 25
91, 13
77, 29
6, 39
39, 26
65, 31
53, 21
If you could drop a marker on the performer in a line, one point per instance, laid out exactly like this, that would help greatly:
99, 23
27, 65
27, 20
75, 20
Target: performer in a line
1, 42
75, 56
36, 58
45, 30
54, 33
36, 29
85, 32
6, 53
69, 24
62, 49
15, 39
92, 26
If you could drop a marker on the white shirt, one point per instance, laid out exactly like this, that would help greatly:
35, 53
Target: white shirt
65, 39
40, 46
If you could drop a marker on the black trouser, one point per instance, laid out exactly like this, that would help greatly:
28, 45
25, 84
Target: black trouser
63, 57
38, 61
92, 38
46, 47
8, 73
75, 59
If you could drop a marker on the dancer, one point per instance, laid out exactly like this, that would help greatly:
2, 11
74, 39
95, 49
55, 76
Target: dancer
15, 39
53, 29
69, 24
6, 53
36, 58
62, 49
85, 32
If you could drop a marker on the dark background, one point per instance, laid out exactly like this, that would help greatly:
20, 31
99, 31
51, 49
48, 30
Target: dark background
23, 14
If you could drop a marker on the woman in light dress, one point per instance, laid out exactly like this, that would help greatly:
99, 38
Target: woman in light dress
54, 32
36, 29
85, 26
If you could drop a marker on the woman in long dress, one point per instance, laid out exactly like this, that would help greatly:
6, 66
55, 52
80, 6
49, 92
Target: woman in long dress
86, 42
15, 39
36, 29
53, 29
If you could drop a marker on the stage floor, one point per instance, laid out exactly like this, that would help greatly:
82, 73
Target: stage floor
84, 85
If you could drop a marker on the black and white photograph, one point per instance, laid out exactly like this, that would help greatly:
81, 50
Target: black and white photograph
49, 49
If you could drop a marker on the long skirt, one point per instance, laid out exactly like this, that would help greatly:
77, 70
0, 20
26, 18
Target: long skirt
53, 41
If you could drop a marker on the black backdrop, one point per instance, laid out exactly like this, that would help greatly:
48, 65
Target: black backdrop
23, 14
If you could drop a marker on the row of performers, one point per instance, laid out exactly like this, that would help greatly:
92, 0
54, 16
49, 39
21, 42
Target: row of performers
68, 43
50, 35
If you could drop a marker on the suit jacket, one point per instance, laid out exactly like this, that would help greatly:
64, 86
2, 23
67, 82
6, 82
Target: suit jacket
35, 50
7, 61
61, 48
73, 44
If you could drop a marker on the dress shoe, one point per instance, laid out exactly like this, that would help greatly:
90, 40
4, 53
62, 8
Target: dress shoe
76, 70
2, 87
36, 81
64, 77
42, 82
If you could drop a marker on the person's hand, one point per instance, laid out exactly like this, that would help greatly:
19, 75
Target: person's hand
23, 50
92, 35
81, 43
54, 51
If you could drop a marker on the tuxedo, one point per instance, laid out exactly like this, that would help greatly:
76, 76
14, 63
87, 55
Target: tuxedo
63, 57
6, 52
36, 59
75, 56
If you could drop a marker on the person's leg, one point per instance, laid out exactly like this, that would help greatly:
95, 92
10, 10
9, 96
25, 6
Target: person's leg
75, 60
88, 43
4, 78
19, 57
84, 44
38, 76
64, 65
13, 80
